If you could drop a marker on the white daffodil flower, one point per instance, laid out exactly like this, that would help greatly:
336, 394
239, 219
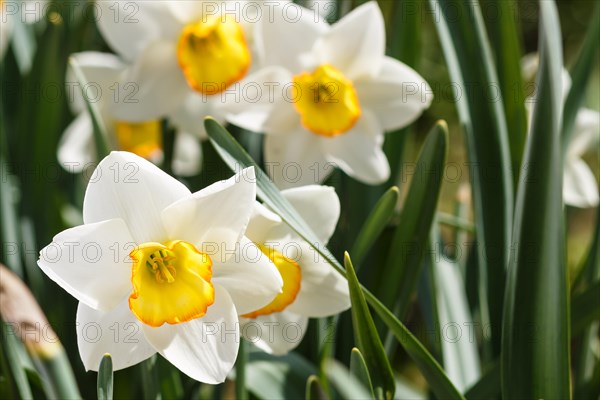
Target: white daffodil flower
580, 187
181, 54
103, 72
158, 269
328, 98
311, 287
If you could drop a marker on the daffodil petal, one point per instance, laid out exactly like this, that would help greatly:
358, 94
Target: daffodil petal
398, 95
586, 133
130, 26
187, 154
153, 86
580, 188
324, 292
358, 152
261, 223
355, 44
319, 206
189, 117
205, 348
101, 70
296, 159
129, 187
256, 97
116, 332
75, 149
249, 277
277, 333
214, 218
277, 38
91, 262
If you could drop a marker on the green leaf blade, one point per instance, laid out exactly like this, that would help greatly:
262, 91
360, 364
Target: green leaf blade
105, 378
470, 64
368, 339
376, 222
535, 342
403, 267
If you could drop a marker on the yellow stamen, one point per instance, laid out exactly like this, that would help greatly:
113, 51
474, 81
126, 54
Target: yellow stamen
171, 283
213, 54
141, 138
292, 277
326, 101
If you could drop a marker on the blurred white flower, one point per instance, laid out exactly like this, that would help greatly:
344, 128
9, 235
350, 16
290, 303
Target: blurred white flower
328, 98
158, 269
76, 150
14, 12
580, 188
311, 287
179, 53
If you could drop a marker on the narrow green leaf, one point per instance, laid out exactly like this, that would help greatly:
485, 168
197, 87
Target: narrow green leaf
506, 42
102, 148
344, 382
535, 342
314, 391
408, 244
434, 374
375, 224
471, 67
235, 156
105, 378
240, 372
13, 350
580, 76
358, 367
368, 339
60, 373
151, 382
488, 386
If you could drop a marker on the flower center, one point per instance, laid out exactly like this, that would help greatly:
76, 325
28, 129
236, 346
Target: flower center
292, 276
141, 138
213, 53
326, 101
171, 283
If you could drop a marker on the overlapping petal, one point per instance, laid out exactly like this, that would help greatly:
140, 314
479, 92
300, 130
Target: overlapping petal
131, 26
215, 218
91, 262
296, 159
187, 154
278, 39
324, 291
359, 151
76, 147
580, 188
205, 348
153, 86
249, 276
257, 97
128, 187
116, 332
101, 71
356, 43
396, 96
